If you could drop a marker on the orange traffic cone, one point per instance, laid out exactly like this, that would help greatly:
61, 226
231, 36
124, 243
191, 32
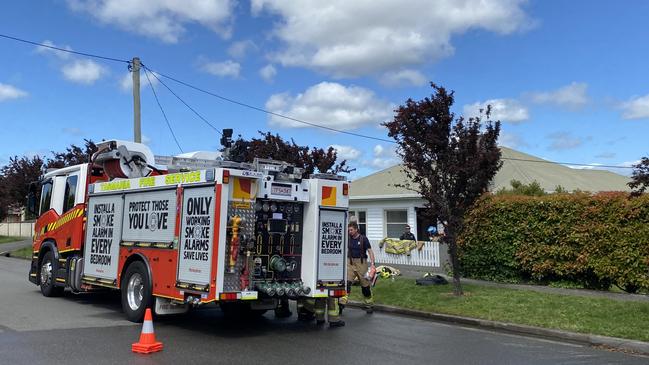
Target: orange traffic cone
147, 343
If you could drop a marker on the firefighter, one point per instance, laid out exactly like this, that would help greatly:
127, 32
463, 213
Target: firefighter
310, 308
407, 235
358, 252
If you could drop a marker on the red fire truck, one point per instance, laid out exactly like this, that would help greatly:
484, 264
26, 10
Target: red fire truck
175, 232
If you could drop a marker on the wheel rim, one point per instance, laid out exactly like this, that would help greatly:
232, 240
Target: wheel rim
135, 291
46, 273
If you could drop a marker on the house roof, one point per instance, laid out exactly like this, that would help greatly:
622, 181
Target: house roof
547, 174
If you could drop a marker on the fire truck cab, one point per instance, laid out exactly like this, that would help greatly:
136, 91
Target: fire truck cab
174, 232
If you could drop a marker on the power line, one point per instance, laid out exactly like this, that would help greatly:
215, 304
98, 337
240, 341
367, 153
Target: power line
341, 131
63, 49
162, 110
254, 107
270, 112
182, 101
566, 163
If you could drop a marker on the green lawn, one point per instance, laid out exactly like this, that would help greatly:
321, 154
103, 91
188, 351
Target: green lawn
5, 239
600, 316
25, 253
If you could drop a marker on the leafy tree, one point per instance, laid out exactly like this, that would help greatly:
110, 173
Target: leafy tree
14, 181
73, 155
19, 172
560, 190
531, 189
450, 160
276, 148
640, 178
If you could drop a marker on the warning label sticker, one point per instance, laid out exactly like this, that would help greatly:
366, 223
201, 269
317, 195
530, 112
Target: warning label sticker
331, 249
150, 217
197, 235
103, 233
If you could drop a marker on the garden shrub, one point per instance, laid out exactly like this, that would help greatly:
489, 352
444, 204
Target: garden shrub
591, 240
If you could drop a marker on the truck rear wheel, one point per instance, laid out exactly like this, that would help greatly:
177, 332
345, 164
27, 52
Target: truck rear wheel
46, 275
136, 291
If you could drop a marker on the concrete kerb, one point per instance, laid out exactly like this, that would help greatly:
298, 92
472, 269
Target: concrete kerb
621, 344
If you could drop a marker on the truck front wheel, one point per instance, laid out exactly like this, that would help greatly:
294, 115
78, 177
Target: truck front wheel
136, 291
46, 274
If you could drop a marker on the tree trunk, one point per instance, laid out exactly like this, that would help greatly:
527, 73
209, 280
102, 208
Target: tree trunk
455, 263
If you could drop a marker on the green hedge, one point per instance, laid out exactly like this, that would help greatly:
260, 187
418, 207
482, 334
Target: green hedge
591, 240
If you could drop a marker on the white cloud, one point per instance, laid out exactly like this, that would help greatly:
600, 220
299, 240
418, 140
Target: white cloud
505, 110
346, 152
353, 38
268, 73
146, 140
9, 92
636, 108
382, 151
571, 96
162, 19
592, 166
564, 141
126, 82
330, 104
403, 78
239, 49
227, 68
511, 140
83, 71
60, 54
73, 131
383, 157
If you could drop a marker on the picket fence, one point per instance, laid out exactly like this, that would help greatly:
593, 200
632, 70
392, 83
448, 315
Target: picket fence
428, 256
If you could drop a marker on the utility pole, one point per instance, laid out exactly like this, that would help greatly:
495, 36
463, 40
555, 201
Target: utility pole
137, 127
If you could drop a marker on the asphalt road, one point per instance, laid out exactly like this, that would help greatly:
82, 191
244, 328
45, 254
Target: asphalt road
83, 329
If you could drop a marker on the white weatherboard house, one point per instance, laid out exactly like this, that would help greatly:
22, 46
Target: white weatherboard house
383, 209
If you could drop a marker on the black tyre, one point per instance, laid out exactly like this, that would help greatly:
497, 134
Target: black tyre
136, 291
46, 275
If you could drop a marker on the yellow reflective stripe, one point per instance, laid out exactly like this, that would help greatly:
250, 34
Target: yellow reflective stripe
65, 219
68, 250
168, 297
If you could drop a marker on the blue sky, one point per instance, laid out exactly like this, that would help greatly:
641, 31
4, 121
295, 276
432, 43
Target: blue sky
569, 80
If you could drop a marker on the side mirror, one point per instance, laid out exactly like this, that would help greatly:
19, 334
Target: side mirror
32, 201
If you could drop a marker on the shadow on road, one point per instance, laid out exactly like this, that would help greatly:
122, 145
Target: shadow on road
207, 320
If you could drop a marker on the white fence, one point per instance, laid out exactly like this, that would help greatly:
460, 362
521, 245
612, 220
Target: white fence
17, 229
428, 256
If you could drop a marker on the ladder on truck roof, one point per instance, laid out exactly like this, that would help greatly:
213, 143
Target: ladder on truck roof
178, 164
282, 170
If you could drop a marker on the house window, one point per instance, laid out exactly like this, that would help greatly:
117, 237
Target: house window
395, 222
46, 196
70, 192
360, 217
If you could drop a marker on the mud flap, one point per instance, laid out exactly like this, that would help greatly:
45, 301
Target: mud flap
164, 306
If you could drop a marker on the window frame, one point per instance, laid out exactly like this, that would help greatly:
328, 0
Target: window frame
44, 196
67, 193
362, 226
385, 221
